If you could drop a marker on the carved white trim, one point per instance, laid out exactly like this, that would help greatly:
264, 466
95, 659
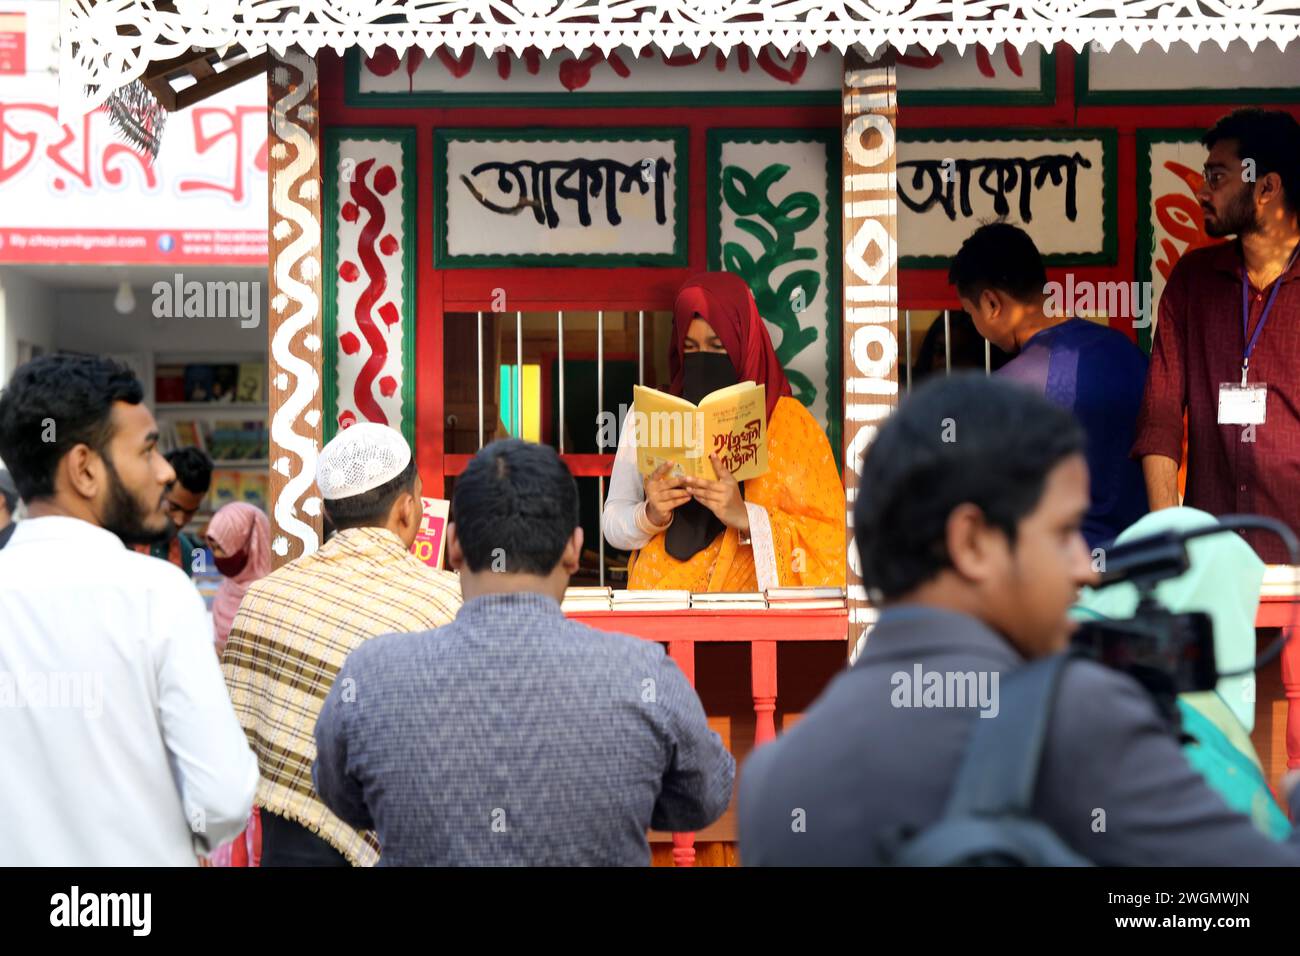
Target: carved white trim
105, 60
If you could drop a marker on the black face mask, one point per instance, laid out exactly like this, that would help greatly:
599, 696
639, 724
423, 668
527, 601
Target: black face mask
705, 372
694, 526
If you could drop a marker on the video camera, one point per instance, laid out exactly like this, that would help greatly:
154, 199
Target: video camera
1169, 653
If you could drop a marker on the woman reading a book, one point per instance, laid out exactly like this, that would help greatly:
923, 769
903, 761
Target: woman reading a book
783, 528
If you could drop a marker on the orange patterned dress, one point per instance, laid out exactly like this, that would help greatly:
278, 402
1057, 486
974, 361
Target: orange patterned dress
804, 498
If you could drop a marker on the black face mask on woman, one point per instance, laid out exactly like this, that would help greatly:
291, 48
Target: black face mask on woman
694, 526
232, 564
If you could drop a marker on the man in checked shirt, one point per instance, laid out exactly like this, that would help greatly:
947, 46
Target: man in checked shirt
1227, 344
514, 736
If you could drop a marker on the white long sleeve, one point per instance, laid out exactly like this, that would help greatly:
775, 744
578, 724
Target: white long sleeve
626, 494
216, 772
124, 749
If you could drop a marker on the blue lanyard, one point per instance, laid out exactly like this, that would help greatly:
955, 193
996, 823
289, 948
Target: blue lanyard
1245, 311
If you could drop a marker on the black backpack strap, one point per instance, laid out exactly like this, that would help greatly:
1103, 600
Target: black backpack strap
999, 771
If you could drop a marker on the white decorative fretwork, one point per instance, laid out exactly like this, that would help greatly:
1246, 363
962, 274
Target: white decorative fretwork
104, 59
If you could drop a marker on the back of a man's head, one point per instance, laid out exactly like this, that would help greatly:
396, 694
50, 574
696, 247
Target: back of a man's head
1001, 257
364, 473
515, 508
963, 440
193, 469
54, 403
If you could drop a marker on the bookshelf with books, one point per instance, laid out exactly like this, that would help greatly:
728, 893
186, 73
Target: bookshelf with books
217, 403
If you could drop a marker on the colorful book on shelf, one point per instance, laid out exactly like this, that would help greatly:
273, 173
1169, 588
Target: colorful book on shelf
186, 433
731, 422
225, 487
225, 379
169, 383
198, 382
253, 488
238, 441
251, 389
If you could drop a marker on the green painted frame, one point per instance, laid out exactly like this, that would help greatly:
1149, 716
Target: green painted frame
1109, 139
680, 137
1083, 96
1045, 95
1144, 250
333, 138
830, 138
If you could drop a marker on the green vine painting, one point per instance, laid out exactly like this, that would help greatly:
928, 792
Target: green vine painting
776, 226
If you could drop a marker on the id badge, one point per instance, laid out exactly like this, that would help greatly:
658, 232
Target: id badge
1242, 404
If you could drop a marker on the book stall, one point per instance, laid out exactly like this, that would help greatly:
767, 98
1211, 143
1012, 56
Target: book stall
479, 222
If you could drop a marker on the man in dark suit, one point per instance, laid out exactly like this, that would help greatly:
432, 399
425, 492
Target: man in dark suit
968, 523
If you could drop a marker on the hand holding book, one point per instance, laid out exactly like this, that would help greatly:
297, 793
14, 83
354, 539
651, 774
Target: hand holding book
723, 497
663, 494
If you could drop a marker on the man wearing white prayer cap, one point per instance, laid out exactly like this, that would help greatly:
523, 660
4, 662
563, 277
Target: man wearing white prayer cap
296, 626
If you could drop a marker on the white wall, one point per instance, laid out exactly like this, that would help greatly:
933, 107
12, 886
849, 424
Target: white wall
27, 314
88, 322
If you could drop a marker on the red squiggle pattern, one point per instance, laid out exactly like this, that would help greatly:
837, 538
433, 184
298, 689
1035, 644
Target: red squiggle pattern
363, 387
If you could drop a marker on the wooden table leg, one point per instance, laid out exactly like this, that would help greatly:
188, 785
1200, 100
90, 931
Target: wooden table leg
1291, 687
683, 654
763, 682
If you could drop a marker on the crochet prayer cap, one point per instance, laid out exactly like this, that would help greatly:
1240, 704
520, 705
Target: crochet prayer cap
361, 457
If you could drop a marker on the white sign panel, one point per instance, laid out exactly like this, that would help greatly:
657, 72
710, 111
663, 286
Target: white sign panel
576, 197
1057, 187
75, 192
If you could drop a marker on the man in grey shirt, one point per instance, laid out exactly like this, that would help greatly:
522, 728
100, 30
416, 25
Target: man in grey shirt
513, 736
968, 523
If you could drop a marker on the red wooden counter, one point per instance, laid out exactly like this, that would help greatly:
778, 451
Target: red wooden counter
1277, 728
762, 630
1278, 749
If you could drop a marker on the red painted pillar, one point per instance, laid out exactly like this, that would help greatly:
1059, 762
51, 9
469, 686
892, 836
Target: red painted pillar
683, 654
763, 683
1291, 687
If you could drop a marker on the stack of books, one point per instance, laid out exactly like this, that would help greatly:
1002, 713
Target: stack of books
1280, 581
729, 601
805, 599
585, 599
625, 600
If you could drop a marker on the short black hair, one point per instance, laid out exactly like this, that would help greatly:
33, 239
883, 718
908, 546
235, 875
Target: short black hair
193, 468
998, 256
370, 508
1271, 138
964, 438
67, 398
516, 501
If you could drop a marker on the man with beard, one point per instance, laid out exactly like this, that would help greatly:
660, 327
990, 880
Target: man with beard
1227, 345
124, 746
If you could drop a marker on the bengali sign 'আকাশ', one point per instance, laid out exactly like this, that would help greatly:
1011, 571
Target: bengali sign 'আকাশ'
599, 196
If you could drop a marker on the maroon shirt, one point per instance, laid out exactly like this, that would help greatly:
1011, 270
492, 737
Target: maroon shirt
1198, 345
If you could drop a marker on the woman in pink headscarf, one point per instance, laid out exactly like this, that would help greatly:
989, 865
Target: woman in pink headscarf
240, 538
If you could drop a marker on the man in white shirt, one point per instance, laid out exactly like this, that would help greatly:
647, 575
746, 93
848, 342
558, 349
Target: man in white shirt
119, 742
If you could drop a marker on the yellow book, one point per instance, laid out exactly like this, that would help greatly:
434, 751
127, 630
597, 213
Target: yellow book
731, 422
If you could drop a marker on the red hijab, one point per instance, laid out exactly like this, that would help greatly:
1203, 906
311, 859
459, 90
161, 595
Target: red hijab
724, 301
